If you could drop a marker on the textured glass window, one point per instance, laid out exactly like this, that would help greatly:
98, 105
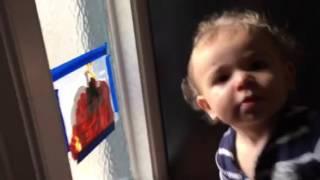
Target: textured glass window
71, 28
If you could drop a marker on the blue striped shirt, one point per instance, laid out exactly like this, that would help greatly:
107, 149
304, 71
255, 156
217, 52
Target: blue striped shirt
292, 152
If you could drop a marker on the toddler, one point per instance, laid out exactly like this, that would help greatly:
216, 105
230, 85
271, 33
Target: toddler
241, 72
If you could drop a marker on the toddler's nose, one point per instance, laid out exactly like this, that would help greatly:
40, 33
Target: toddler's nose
245, 81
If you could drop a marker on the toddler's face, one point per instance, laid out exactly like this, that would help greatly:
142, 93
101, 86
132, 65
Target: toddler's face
241, 77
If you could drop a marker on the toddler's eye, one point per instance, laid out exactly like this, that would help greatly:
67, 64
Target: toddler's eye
257, 65
221, 79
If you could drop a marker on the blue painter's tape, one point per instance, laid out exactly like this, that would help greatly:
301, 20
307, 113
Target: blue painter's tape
78, 62
111, 84
96, 142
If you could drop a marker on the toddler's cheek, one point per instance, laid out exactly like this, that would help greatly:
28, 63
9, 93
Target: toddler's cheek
226, 111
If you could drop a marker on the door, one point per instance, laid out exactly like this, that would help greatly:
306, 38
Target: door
30, 49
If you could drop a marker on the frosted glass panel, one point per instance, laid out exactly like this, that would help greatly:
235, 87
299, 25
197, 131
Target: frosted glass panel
71, 28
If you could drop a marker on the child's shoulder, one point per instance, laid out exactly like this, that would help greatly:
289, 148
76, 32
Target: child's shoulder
298, 120
298, 146
301, 116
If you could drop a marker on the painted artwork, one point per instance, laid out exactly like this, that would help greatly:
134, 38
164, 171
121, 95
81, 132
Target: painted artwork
87, 101
93, 114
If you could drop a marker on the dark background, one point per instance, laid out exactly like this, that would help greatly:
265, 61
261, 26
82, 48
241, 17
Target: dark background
190, 141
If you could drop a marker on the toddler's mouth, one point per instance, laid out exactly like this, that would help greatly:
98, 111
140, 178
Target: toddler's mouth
249, 103
250, 99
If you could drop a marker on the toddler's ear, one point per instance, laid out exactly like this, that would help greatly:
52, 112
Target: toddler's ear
204, 105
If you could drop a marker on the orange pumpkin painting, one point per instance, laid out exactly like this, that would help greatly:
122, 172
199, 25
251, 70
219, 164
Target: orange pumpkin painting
93, 114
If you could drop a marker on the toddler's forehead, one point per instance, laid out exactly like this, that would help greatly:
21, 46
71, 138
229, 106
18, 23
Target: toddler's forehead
228, 32
218, 38
226, 35
256, 40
